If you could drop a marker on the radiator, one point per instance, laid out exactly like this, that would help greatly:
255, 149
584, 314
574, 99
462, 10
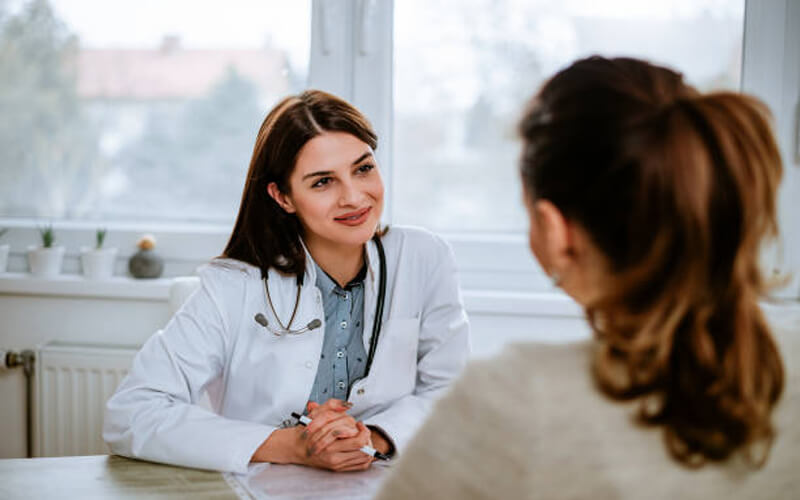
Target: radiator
73, 383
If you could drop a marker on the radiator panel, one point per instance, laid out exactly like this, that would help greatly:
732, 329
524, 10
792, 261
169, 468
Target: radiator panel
74, 381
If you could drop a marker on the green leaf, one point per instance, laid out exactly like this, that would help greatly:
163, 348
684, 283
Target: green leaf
48, 236
101, 236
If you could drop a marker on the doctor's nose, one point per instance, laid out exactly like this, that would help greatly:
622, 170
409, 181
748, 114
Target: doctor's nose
349, 195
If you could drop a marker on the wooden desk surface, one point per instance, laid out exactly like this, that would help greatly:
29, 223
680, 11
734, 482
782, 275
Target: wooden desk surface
104, 477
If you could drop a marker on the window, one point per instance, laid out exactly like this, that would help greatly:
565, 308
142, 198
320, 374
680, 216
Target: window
143, 111
461, 81
144, 147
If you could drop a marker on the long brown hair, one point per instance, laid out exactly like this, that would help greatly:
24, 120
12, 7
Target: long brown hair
678, 190
264, 234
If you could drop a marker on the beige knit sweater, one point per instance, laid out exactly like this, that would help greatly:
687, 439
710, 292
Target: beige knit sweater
530, 424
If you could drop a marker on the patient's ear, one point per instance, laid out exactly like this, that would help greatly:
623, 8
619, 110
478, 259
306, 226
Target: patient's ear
282, 199
555, 249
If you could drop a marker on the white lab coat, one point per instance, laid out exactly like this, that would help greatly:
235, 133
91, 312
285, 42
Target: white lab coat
254, 379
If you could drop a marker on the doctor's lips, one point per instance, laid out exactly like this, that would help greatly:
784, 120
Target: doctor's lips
354, 218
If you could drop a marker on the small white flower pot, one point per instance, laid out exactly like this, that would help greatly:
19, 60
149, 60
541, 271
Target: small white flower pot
98, 264
45, 262
4, 249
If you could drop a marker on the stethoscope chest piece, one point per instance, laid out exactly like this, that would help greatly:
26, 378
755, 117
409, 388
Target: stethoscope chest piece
262, 320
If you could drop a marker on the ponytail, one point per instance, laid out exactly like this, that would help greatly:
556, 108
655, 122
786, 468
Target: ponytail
682, 196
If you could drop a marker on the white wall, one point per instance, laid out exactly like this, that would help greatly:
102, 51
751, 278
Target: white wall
30, 318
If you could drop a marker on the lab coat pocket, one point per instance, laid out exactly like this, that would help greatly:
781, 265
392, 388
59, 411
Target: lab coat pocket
396, 358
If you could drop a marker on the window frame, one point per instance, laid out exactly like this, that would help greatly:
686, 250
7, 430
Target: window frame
351, 56
771, 71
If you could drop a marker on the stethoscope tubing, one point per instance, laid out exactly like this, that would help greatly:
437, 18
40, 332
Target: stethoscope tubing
376, 325
316, 323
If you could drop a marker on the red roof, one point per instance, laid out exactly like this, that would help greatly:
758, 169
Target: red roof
174, 72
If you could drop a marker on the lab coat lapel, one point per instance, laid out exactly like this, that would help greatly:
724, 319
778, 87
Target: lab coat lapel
371, 291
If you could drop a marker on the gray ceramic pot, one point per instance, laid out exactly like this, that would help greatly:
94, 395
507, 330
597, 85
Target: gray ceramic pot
146, 264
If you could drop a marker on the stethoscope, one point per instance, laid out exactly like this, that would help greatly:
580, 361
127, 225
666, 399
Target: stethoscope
316, 323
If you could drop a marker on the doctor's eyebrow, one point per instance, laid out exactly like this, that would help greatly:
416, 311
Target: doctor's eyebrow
323, 173
362, 158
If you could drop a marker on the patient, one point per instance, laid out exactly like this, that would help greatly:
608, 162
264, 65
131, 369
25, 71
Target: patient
648, 204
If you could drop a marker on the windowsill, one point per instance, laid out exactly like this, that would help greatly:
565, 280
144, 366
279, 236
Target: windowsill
74, 285
122, 287
481, 302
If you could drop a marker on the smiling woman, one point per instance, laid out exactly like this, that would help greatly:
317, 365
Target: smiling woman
303, 158
337, 195
284, 319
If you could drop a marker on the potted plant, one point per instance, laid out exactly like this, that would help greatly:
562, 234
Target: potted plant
4, 251
98, 262
45, 261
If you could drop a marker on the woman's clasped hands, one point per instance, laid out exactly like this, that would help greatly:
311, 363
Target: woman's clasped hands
333, 440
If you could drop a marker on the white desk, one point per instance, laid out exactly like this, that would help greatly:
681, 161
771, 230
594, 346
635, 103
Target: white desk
112, 477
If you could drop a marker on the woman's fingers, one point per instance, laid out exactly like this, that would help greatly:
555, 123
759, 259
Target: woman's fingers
341, 444
337, 431
328, 424
336, 428
352, 460
355, 463
345, 454
325, 419
332, 404
342, 461
321, 419
362, 429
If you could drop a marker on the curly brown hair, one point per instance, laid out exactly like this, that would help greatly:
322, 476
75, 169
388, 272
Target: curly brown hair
678, 190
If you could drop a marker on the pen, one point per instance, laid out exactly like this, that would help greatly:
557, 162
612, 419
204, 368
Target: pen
369, 450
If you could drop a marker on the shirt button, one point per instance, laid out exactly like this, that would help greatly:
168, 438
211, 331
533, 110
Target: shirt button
340, 354
340, 385
308, 364
343, 324
360, 391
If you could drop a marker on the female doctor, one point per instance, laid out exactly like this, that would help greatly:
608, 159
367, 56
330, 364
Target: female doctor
310, 309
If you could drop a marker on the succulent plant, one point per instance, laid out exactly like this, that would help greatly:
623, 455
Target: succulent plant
48, 235
101, 237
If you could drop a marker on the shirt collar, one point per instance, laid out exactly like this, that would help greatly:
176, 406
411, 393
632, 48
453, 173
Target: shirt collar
328, 285
371, 261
